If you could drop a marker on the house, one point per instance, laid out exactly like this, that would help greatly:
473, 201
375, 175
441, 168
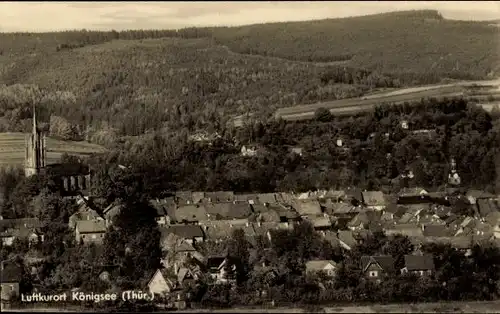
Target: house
218, 230
416, 191
420, 265
111, 212
190, 233
339, 209
393, 210
11, 275
296, 150
160, 284
374, 199
248, 198
354, 196
334, 195
90, 231
267, 198
22, 233
409, 230
32, 223
331, 237
190, 214
436, 231
492, 219
221, 269
287, 214
176, 250
325, 267
364, 219
474, 195
161, 216
219, 197
249, 150
84, 213
319, 222
347, 240
405, 124
228, 211
307, 207
183, 198
269, 215
377, 267
486, 206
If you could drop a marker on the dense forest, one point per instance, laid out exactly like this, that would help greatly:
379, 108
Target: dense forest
104, 85
376, 153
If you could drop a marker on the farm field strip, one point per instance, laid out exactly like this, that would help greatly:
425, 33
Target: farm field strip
352, 105
12, 148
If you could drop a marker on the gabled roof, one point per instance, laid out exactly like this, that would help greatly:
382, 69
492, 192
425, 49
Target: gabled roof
269, 216
229, 210
373, 198
486, 206
175, 243
477, 194
416, 191
190, 213
91, 226
183, 197
10, 272
112, 210
183, 231
385, 262
436, 231
219, 196
493, 218
246, 198
347, 237
20, 222
338, 208
319, 221
419, 262
319, 265
365, 217
286, 198
307, 207
331, 237
269, 198
408, 230
197, 197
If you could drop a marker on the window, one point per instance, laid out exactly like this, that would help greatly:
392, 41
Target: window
373, 273
94, 236
83, 236
421, 273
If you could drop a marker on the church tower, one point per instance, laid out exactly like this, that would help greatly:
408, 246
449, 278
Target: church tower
35, 150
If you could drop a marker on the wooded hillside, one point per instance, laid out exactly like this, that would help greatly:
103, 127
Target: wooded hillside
109, 84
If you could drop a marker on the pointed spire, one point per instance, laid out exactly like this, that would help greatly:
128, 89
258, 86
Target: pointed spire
34, 119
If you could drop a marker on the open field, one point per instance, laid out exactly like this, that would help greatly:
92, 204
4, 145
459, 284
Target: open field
353, 105
12, 149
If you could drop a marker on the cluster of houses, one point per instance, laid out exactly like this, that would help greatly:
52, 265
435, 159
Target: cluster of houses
344, 218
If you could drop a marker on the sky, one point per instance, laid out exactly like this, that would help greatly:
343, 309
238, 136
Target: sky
56, 16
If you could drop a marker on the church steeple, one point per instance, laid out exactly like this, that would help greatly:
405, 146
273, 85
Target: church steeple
35, 149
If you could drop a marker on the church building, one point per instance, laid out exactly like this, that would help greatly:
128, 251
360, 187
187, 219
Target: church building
72, 179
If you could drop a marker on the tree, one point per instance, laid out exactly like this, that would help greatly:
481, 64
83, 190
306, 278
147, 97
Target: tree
238, 249
323, 115
398, 246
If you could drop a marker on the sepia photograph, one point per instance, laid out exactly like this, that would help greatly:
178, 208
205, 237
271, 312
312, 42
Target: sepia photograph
250, 157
